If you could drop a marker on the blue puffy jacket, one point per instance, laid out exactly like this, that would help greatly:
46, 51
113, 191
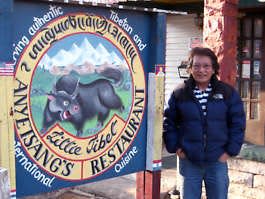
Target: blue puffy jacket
204, 138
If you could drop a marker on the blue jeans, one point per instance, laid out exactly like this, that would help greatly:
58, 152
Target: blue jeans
214, 175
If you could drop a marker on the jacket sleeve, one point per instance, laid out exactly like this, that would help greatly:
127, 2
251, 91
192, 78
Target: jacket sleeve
170, 129
236, 120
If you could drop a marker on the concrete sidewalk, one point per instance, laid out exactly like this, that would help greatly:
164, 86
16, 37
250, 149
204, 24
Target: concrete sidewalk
123, 187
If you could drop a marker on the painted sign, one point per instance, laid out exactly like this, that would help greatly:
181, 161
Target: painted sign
79, 103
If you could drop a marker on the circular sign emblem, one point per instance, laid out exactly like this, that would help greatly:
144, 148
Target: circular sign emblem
79, 96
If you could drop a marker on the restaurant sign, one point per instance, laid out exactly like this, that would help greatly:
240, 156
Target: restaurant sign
79, 101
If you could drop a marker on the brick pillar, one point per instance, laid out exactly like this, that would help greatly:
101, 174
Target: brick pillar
220, 34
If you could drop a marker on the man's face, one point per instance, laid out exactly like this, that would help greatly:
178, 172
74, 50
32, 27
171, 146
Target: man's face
202, 70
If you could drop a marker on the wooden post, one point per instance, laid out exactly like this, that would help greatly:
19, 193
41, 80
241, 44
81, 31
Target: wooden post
152, 184
7, 153
140, 185
148, 182
148, 185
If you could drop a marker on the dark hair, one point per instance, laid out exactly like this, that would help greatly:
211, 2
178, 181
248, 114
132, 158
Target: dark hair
204, 52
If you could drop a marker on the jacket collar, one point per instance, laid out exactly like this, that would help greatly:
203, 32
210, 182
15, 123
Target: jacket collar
190, 84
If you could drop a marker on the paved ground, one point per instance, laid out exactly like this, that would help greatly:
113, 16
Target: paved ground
123, 187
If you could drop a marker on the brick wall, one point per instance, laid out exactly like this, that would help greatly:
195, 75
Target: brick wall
220, 34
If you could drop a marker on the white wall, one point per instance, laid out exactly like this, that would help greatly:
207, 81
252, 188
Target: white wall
180, 29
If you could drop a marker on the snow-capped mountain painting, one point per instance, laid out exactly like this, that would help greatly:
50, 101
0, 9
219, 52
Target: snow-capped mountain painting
45, 62
83, 54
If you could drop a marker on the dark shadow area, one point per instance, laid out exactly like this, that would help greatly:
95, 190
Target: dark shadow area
169, 162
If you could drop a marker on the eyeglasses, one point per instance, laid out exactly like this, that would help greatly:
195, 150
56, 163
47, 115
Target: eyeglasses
204, 66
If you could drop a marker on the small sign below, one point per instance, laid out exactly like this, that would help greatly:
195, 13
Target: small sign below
195, 42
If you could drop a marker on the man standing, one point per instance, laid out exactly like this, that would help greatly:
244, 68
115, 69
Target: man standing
204, 125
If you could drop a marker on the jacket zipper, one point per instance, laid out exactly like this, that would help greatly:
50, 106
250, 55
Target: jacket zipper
205, 124
203, 119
